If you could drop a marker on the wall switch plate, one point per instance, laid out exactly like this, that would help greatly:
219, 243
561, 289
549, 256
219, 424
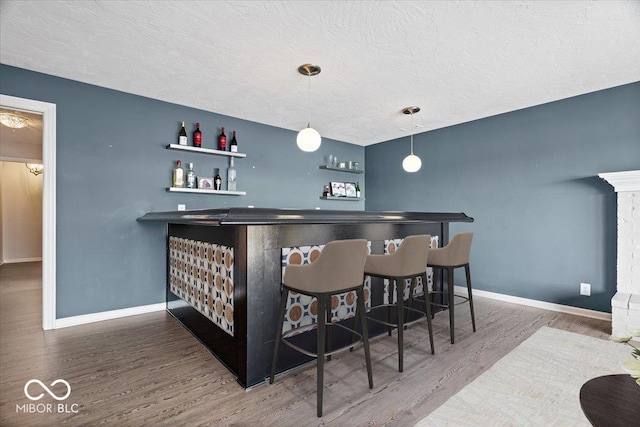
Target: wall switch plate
182, 207
585, 289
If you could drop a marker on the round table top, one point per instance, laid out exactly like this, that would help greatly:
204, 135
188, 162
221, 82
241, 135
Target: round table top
611, 400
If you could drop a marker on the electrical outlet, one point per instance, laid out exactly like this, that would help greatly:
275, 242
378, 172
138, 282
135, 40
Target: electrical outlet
182, 207
585, 289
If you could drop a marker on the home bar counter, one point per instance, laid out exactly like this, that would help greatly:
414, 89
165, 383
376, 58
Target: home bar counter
224, 272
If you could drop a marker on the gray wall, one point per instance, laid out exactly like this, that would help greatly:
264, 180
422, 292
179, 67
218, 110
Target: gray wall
112, 167
544, 221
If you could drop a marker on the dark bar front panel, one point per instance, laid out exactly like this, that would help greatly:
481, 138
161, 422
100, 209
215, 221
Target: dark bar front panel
225, 268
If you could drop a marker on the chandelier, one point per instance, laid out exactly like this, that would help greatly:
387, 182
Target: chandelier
35, 168
14, 121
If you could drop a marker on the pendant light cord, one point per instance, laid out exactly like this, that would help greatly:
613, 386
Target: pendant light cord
309, 102
412, 133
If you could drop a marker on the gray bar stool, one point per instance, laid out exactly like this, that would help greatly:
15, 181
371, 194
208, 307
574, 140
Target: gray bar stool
407, 262
452, 256
338, 269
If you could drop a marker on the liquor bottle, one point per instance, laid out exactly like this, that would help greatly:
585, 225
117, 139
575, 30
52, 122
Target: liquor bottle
182, 136
231, 176
358, 190
197, 136
234, 143
178, 175
191, 177
222, 141
217, 181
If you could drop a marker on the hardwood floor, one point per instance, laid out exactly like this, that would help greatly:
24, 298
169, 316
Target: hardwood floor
147, 370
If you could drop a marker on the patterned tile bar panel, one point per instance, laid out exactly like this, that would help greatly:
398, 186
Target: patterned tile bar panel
390, 247
302, 310
201, 273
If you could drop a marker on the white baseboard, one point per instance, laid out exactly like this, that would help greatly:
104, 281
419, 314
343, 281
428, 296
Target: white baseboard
65, 322
462, 290
16, 260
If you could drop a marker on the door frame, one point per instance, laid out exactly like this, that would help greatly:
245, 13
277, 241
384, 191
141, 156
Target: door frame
48, 112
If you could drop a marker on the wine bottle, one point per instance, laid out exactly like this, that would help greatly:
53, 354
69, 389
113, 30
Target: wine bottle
178, 175
222, 141
191, 177
182, 136
231, 175
217, 181
197, 136
358, 190
234, 143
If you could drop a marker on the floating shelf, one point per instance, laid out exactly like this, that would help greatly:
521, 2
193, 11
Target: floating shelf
333, 168
346, 199
203, 191
204, 150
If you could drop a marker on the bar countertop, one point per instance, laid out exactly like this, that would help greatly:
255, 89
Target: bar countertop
265, 216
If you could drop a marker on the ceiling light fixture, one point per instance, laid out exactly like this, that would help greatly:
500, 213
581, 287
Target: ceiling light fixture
35, 168
308, 138
411, 163
14, 121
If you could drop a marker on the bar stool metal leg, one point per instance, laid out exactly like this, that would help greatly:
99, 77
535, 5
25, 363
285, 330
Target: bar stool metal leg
390, 297
473, 317
451, 302
365, 332
322, 301
428, 311
328, 322
400, 328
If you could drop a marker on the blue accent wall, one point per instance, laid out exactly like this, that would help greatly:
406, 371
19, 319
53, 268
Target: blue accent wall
112, 167
544, 220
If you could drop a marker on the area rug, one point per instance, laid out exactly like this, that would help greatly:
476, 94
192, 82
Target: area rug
537, 384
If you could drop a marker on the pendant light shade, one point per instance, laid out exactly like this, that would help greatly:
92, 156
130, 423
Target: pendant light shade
411, 163
309, 139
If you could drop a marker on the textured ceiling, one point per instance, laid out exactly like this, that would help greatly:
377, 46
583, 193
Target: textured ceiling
457, 60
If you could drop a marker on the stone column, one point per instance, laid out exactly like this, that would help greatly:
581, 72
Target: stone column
625, 304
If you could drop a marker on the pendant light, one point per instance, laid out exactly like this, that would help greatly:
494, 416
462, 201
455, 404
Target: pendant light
411, 163
308, 138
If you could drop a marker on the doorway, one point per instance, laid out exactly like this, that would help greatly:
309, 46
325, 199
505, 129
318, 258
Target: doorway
48, 112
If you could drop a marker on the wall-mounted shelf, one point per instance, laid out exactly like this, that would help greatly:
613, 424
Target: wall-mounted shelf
346, 199
204, 150
333, 168
204, 191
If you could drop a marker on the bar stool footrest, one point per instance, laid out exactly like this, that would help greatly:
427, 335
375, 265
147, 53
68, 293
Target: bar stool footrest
409, 312
464, 299
292, 333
